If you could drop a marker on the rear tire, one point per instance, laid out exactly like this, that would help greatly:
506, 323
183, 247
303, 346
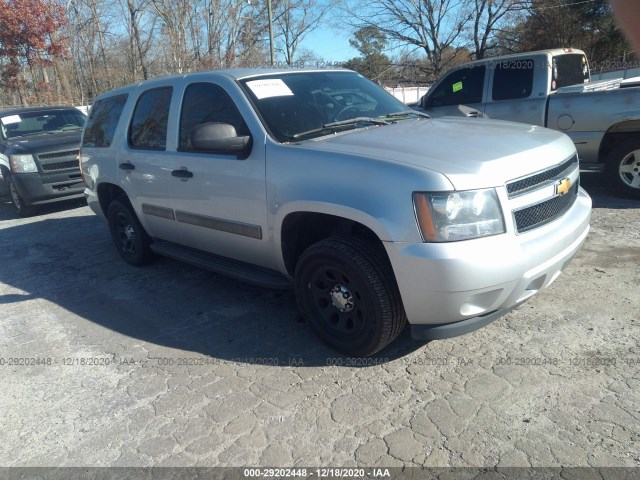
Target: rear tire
623, 168
21, 207
348, 295
129, 237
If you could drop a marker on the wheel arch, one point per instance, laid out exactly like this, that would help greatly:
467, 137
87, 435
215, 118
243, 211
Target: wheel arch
301, 229
4, 170
615, 135
110, 191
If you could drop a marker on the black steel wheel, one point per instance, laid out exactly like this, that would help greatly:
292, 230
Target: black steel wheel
20, 205
347, 293
130, 239
623, 167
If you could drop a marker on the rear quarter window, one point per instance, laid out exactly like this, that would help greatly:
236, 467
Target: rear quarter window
103, 120
569, 69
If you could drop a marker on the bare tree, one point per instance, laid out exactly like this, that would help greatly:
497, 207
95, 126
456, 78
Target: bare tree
91, 22
137, 15
295, 19
174, 15
487, 17
433, 26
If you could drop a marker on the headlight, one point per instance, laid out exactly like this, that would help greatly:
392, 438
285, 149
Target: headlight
452, 216
22, 164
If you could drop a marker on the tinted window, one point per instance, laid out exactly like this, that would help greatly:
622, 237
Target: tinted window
512, 79
103, 120
569, 69
203, 103
461, 87
149, 123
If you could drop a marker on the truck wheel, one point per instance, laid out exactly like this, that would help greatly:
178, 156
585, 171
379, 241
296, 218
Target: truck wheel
22, 208
623, 167
130, 239
348, 295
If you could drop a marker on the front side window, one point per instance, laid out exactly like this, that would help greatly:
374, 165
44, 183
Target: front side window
204, 103
303, 105
148, 129
461, 87
513, 79
103, 120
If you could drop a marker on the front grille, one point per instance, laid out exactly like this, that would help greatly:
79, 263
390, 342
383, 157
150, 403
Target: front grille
68, 159
545, 212
49, 156
59, 165
520, 186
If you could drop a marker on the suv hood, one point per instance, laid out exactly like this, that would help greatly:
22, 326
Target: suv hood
471, 153
46, 142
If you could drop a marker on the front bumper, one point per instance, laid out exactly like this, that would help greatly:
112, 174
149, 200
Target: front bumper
449, 289
36, 188
93, 202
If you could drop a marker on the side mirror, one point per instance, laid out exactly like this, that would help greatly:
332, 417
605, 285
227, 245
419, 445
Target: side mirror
218, 138
426, 102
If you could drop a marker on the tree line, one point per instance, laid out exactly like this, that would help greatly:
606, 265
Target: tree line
54, 52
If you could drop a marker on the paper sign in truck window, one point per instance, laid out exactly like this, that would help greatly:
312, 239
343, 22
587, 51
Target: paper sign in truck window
273, 87
10, 119
457, 87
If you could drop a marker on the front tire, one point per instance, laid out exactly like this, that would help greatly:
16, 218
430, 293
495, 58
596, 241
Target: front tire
348, 295
130, 239
21, 207
623, 167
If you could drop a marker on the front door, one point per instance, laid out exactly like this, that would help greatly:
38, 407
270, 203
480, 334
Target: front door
460, 93
219, 200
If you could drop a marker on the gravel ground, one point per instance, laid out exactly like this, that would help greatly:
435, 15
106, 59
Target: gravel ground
170, 365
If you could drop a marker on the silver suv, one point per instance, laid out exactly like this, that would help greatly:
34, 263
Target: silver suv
377, 214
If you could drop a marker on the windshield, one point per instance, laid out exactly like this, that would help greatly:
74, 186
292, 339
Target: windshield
303, 105
40, 122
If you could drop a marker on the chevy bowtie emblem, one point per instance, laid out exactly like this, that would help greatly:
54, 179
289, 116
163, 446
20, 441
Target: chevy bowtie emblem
563, 186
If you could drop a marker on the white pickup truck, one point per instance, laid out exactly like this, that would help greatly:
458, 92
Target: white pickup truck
552, 88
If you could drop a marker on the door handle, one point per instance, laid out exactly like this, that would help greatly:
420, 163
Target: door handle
182, 173
126, 166
474, 114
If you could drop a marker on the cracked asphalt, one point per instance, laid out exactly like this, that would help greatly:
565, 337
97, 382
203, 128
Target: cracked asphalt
104, 364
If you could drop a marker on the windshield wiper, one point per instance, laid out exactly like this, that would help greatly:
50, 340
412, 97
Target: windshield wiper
354, 121
405, 113
341, 123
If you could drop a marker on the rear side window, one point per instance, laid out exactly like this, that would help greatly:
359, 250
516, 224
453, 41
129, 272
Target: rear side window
206, 102
148, 129
569, 69
512, 80
461, 87
103, 120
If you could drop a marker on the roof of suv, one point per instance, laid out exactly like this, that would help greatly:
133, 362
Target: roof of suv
19, 110
232, 73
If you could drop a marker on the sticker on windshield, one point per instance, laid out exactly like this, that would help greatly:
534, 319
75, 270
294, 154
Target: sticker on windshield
457, 87
10, 119
273, 87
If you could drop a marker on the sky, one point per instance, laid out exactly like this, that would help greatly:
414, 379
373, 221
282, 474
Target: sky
330, 45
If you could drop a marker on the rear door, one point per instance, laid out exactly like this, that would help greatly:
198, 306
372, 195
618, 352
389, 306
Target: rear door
144, 164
